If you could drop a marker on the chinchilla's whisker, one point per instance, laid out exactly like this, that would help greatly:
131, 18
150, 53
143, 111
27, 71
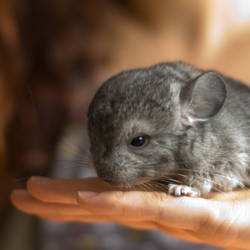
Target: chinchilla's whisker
161, 187
147, 187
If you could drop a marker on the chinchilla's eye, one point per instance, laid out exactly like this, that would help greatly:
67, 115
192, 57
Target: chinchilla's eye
139, 141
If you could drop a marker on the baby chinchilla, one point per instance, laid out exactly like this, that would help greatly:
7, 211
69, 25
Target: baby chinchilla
172, 127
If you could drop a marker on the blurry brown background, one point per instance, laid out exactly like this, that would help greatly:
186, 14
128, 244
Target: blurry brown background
54, 54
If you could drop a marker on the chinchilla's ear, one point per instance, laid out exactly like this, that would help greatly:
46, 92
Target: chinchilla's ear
203, 98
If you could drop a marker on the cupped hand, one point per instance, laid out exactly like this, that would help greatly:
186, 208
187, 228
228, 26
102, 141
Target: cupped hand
222, 220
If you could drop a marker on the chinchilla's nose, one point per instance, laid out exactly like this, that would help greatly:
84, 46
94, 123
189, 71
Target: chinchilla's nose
110, 178
104, 175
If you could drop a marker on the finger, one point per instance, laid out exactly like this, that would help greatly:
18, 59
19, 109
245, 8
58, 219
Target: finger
183, 213
22, 200
139, 225
63, 190
142, 225
57, 218
76, 218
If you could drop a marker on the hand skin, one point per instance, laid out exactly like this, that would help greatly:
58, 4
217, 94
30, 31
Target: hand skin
221, 220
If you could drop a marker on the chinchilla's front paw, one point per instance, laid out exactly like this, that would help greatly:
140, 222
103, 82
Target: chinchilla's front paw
179, 190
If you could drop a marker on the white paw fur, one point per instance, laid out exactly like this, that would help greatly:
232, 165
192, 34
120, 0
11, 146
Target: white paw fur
179, 190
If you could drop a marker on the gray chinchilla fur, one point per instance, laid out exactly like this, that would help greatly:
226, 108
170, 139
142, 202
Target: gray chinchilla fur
172, 127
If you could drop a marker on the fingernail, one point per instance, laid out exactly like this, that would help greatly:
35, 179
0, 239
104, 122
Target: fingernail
38, 178
85, 194
19, 191
34, 180
18, 194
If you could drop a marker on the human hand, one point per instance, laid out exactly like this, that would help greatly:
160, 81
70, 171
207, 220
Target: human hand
222, 220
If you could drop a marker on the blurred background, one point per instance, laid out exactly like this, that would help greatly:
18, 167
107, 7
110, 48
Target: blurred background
54, 55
